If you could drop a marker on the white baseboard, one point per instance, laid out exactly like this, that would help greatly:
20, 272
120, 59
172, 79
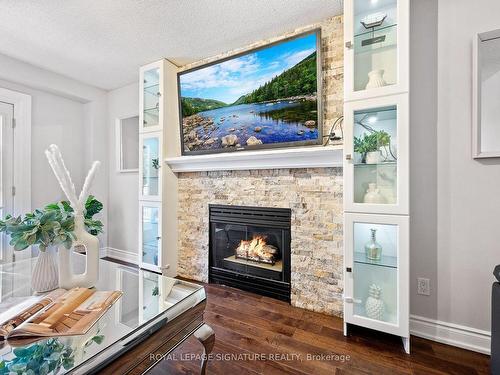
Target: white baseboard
126, 256
452, 334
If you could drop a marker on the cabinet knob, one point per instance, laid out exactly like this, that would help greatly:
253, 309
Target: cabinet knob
348, 44
158, 238
348, 269
348, 157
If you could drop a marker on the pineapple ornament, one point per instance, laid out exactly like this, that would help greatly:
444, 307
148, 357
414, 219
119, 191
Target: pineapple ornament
374, 306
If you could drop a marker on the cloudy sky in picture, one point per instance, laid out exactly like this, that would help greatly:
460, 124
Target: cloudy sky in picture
229, 80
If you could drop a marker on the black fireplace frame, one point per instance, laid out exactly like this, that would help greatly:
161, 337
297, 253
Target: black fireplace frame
258, 216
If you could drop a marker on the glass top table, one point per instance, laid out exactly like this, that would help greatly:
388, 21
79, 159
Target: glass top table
149, 302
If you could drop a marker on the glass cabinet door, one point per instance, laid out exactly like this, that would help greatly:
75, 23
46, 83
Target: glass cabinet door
150, 234
150, 167
378, 264
377, 45
151, 98
377, 156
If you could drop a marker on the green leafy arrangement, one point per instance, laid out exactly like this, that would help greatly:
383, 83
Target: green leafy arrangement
45, 357
51, 226
371, 142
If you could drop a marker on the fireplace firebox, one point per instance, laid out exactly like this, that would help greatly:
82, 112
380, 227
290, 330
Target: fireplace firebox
250, 249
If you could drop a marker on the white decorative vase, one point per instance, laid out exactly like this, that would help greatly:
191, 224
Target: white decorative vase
373, 157
67, 277
44, 277
373, 195
376, 79
374, 306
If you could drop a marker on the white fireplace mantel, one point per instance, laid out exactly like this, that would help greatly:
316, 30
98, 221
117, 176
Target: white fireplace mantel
300, 157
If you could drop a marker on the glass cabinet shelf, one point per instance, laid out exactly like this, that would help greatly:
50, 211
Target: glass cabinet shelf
376, 165
375, 44
366, 32
385, 261
153, 89
377, 38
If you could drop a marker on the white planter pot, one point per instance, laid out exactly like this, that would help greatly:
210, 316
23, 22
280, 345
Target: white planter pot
45, 275
373, 157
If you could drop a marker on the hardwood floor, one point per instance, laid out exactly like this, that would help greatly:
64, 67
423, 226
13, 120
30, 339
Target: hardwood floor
295, 341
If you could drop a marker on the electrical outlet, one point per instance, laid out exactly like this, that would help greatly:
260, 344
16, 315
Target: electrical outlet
423, 286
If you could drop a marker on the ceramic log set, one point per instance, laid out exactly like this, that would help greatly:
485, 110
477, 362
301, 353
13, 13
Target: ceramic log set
67, 277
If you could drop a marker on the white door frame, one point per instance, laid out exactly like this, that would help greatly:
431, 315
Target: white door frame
22, 147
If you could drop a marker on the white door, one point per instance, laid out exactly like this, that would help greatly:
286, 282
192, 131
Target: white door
6, 174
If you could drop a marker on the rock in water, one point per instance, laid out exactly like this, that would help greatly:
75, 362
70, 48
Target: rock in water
192, 135
257, 129
252, 141
300, 132
229, 140
210, 141
231, 129
310, 123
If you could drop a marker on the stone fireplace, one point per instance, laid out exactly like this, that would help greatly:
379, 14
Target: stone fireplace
249, 248
314, 197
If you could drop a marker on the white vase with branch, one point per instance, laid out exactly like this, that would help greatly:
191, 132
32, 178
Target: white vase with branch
67, 277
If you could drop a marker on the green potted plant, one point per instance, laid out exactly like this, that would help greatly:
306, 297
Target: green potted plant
369, 145
47, 228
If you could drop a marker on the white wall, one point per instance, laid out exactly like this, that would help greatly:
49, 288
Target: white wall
468, 199
423, 154
68, 113
123, 187
58, 120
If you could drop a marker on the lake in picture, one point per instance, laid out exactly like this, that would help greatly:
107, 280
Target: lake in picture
265, 97
268, 122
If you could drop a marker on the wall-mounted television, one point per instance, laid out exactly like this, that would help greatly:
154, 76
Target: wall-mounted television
262, 98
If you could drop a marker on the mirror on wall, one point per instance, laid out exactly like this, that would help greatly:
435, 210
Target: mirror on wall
486, 96
127, 138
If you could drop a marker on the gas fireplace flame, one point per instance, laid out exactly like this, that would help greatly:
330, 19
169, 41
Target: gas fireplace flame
257, 249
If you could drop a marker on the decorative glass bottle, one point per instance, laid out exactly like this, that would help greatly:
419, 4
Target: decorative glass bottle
373, 250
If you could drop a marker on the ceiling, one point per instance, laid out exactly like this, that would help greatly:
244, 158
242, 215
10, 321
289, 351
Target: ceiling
103, 42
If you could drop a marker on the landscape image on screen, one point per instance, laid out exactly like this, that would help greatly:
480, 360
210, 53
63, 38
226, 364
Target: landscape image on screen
265, 97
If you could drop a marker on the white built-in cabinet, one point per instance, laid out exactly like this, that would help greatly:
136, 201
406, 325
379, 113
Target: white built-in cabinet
376, 166
157, 98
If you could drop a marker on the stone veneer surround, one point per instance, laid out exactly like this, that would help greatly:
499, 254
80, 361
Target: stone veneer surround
314, 195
